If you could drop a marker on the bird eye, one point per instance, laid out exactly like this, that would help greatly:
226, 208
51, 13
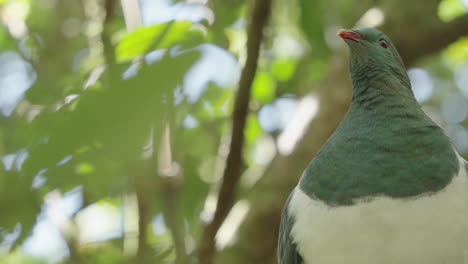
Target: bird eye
383, 43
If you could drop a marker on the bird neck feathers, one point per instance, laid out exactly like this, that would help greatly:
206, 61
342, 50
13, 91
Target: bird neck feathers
377, 85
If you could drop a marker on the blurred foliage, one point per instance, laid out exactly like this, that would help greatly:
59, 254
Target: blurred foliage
80, 134
457, 52
451, 9
161, 36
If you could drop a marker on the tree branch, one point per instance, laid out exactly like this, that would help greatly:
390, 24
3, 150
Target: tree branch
435, 39
171, 187
109, 54
232, 171
171, 183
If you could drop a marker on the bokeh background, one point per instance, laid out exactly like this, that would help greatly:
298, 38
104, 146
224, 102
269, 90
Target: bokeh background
164, 131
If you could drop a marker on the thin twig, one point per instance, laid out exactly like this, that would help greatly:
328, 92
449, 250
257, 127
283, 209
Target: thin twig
144, 201
232, 171
171, 184
171, 188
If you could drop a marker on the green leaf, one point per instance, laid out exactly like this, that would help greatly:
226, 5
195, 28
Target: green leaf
108, 126
20, 201
155, 37
263, 87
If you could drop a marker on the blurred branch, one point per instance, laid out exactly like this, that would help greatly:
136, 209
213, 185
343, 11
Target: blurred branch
426, 40
144, 201
171, 183
109, 54
232, 172
171, 187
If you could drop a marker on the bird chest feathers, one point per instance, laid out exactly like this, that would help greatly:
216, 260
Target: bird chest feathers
380, 152
429, 229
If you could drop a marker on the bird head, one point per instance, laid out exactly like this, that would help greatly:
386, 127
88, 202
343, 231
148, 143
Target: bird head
372, 50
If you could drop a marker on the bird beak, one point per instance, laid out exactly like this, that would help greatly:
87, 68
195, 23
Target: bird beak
349, 34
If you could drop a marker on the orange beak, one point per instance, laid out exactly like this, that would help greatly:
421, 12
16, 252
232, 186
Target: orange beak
349, 34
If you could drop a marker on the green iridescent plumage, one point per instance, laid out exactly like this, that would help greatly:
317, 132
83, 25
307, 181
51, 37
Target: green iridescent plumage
385, 145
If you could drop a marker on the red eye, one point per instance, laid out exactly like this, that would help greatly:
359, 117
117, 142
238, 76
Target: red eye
383, 43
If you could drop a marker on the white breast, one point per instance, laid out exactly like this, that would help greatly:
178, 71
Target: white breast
431, 229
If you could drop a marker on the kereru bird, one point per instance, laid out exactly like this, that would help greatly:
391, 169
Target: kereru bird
387, 186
